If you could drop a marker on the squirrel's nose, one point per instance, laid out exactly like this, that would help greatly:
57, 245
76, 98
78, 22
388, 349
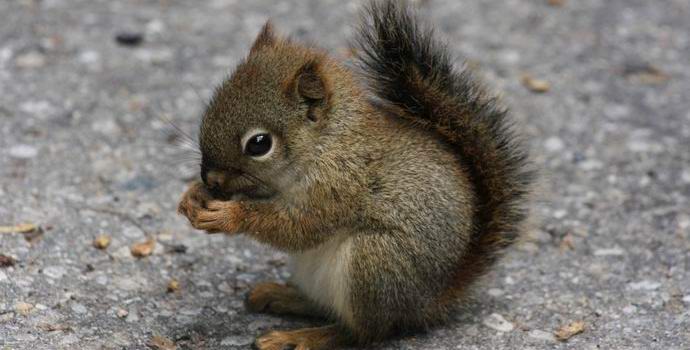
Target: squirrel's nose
215, 179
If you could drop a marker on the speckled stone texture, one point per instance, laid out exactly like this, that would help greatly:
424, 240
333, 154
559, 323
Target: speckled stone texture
84, 151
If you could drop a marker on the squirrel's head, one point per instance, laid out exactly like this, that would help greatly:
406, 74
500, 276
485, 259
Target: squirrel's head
267, 120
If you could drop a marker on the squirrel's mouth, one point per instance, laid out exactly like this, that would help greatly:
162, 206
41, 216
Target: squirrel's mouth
242, 193
236, 185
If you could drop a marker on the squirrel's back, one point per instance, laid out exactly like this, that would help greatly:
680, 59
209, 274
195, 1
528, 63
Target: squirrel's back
412, 74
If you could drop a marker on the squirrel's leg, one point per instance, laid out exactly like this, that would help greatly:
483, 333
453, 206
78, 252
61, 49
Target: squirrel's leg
281, 299
318, 338
395, 279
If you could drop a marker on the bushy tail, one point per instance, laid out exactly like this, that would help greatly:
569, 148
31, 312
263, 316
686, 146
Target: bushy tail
411, 71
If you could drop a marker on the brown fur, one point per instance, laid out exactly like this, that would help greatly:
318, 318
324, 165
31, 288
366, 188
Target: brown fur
423, 188
280, 299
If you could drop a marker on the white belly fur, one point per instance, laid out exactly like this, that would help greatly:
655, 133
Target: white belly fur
322, 273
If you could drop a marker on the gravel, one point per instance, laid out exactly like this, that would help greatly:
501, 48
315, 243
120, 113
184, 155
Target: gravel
85, 150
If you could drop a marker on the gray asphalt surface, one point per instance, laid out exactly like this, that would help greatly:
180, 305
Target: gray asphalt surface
83, 152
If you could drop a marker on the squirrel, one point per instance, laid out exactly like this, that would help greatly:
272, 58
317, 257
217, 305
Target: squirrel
392, 188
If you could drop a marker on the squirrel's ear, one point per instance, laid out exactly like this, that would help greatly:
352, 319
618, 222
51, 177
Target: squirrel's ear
310, 84
266, 38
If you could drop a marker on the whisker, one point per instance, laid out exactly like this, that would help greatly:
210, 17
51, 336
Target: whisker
179, 132
256, 180
202, 100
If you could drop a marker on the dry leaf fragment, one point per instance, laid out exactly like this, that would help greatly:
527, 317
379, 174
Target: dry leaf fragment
645, 73
161, 343
173, 286
566, 332
556, 2
21, 228
48, 327
143, 249
101, 242
535, 85
6, 261
23, 308
567, 243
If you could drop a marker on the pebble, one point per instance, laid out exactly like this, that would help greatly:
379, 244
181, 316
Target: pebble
498, 322
683, 221
154, 56
173, 286
79, 308
495, 292
184, 319
132, 232
644, 285
122, 253
101, 241
129, 38
685, 176
609, 252
642, 146
225, 288
155, 27
139, 183
568, 331
130, 283
630, 309
591, 164
554, 144
191, 311
686, 299
206, 295
89, 57
5, 317
536, 85
69, 339
55, 272
509, 57
30, 60
38, 108
132, 317
239, 340
24, 338
471, 331
5, 55
143, 249
541, 335
122, 313
107, 127
23, 151
122, 339
222, 61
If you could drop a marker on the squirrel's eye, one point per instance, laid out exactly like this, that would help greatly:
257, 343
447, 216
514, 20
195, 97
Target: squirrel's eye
258, 145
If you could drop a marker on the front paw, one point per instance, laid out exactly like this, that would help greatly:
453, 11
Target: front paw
210, 215
194, 198
218, 216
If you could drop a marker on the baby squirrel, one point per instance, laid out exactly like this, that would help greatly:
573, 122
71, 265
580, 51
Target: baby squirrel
391, 194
